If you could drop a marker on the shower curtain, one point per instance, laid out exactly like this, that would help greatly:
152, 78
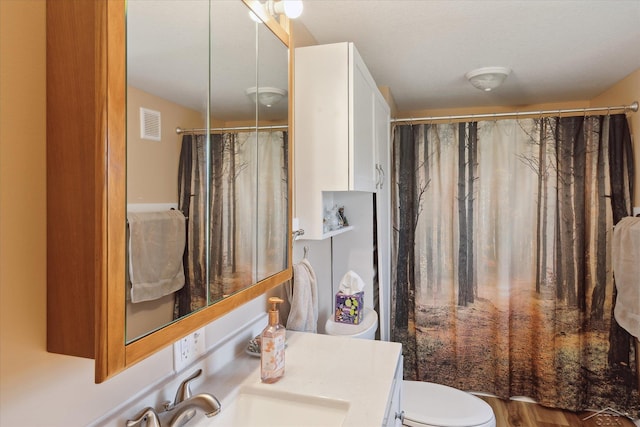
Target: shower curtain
502, 279
236, 217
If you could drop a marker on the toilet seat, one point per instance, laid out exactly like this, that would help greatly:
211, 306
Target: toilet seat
435, 405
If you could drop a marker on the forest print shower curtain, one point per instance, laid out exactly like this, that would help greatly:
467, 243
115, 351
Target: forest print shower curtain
502, 279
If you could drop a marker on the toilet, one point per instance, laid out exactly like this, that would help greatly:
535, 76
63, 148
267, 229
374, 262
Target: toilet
424, 404
364, 330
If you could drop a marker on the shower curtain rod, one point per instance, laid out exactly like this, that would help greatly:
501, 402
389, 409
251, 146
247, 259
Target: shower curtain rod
633, 107
179, 130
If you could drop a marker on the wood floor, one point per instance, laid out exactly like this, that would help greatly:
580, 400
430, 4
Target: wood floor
515, 413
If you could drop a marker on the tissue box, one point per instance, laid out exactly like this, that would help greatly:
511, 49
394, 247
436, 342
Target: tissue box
349, 308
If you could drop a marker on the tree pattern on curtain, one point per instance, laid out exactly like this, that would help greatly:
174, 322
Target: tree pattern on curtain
502, 279
192, 196
234, 216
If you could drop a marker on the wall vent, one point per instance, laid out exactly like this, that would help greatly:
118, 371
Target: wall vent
149, 124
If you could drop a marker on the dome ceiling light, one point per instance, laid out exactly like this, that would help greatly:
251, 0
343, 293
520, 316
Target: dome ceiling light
487, 78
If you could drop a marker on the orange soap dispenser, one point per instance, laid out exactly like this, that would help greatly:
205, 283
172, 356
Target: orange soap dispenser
272, 344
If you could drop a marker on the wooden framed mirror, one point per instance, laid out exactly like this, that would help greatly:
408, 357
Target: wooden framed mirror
219, 185
87, 80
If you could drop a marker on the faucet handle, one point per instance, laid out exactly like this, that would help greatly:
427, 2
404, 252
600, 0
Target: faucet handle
148, 416
184, 391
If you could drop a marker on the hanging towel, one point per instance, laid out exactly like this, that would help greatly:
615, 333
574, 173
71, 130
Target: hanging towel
626, 269
303, 315
156, 247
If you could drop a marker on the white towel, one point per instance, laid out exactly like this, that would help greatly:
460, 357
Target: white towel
156, 247
626, 269
303, 315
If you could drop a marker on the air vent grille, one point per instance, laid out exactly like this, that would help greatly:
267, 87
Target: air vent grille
149, 124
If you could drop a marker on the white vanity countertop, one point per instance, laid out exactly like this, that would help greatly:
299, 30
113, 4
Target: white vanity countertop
360, 372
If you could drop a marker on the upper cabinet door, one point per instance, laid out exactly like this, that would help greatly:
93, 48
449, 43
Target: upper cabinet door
322, 119
362, 149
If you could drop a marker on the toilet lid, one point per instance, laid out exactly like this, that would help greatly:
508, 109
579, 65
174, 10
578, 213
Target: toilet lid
369, 320
438, 405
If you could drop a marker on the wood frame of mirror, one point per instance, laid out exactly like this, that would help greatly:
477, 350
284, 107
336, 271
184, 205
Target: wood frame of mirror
86, 186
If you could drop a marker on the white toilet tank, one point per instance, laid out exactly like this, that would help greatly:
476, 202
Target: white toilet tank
365, 330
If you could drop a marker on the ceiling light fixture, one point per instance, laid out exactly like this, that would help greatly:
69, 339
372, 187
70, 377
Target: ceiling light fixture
291, 8
267, 96
488, 78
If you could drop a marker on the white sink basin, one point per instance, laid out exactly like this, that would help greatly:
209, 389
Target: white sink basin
261, 407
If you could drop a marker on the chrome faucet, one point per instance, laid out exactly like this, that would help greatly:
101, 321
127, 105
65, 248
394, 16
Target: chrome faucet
184, 391
148, 416
185, 403
185, 409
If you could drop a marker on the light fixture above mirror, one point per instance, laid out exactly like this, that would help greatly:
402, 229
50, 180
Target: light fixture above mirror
291, 8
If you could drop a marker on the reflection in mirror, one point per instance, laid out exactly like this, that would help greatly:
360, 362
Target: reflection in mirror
233, 158
226, 182
272, 183
167, 77
248, 152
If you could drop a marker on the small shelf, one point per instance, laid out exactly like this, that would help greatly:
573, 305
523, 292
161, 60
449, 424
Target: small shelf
328, 234
336, 232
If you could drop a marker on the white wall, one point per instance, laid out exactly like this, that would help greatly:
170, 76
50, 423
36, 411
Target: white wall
319, 256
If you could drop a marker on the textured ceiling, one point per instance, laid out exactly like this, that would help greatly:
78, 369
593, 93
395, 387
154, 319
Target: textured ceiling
558, 50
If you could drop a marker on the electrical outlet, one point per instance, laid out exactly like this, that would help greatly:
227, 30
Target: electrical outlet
636, 211
186, 350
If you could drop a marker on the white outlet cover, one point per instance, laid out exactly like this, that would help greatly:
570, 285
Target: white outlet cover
636, 211
188, 349
198, 343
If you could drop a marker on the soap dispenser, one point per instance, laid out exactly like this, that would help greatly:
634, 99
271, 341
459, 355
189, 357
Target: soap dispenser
272, 343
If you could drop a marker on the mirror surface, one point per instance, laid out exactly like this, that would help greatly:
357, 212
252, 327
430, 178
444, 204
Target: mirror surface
272, 185
192, 62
